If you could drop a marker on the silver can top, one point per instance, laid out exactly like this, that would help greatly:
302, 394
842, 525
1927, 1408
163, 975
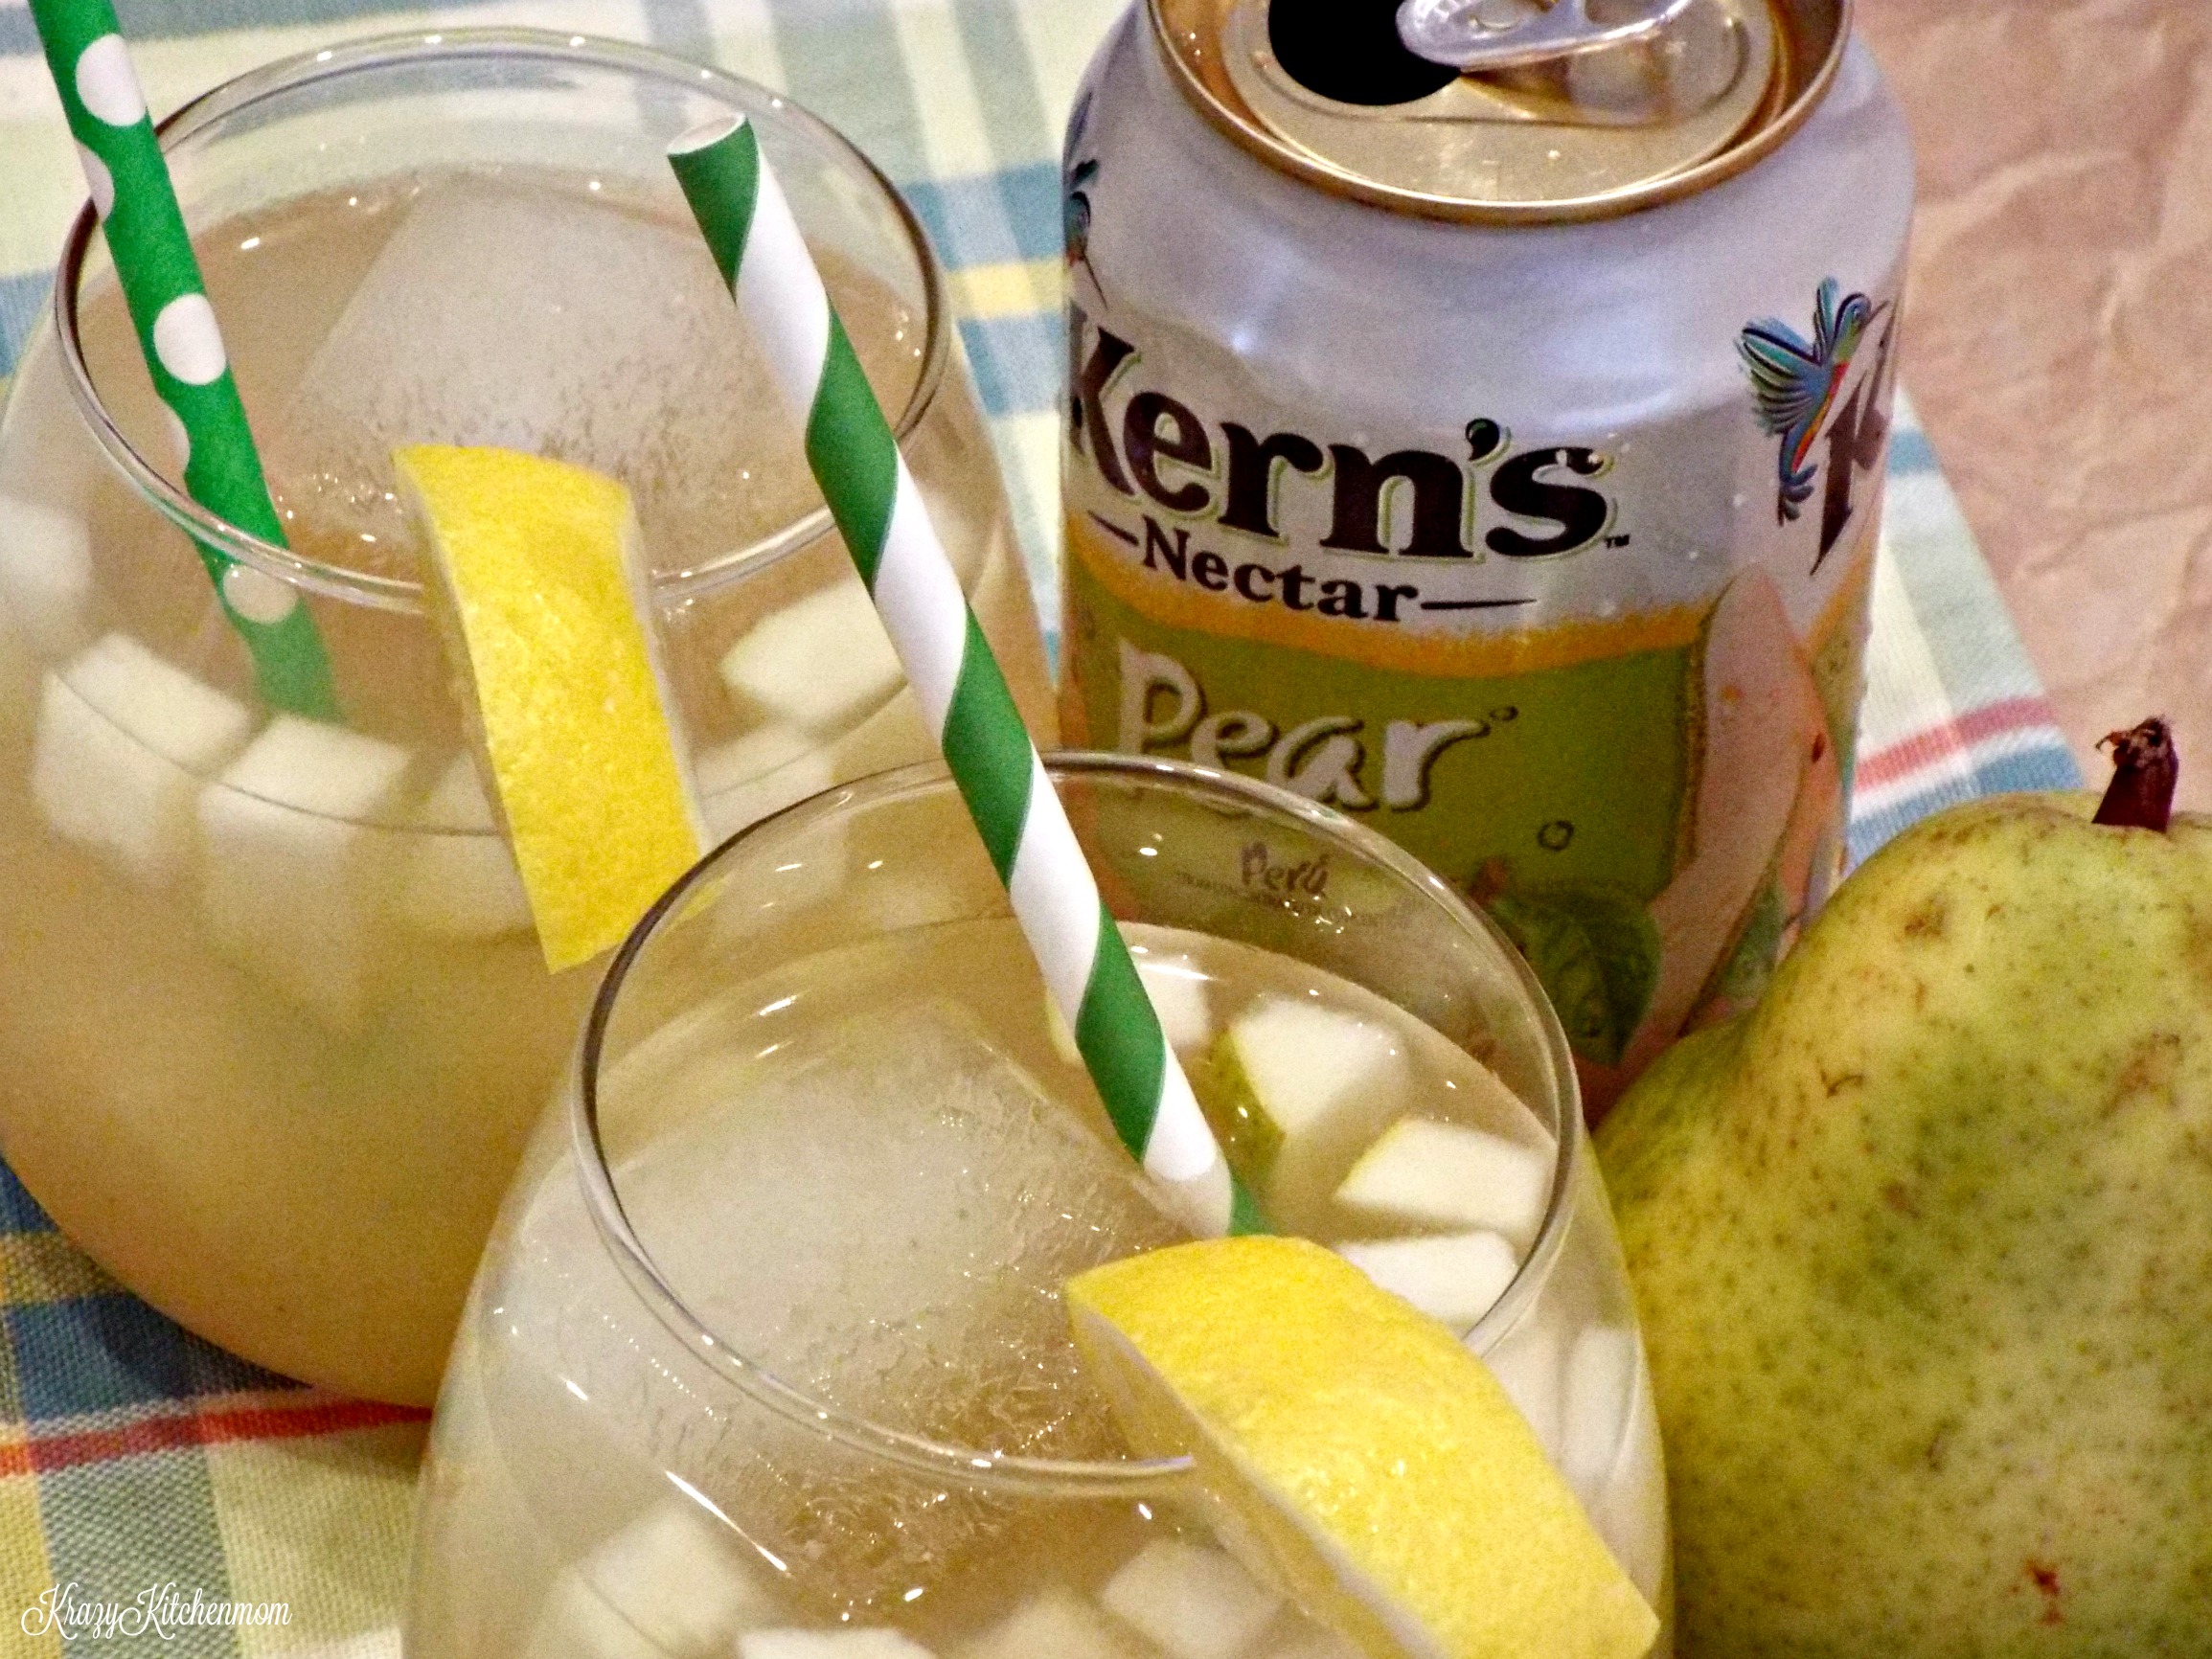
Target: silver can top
1565, 109
1478, 34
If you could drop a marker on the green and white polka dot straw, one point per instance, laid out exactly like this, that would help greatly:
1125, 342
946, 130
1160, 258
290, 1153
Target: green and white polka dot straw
964, 697
183, 347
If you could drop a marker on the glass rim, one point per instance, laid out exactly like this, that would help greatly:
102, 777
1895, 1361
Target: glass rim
1127, 1477
241, 93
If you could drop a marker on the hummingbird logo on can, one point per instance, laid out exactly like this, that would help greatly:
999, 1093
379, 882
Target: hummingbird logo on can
1795, 383
1075, 221
1076, 180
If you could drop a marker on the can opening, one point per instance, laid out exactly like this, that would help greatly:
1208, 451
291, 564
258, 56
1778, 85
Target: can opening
1348, 51
1631, 102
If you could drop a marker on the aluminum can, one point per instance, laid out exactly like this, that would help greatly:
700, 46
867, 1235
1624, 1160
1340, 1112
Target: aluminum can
1497, 459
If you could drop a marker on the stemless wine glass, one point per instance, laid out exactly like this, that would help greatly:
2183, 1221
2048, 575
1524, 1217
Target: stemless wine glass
768, 1337
273, 1025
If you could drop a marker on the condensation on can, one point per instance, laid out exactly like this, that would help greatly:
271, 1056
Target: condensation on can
1540, 535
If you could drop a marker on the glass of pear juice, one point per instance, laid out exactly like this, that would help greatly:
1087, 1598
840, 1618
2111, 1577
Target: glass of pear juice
273, 1021
768, 1356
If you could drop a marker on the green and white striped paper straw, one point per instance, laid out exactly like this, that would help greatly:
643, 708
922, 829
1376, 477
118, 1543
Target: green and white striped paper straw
963, 696
132, 193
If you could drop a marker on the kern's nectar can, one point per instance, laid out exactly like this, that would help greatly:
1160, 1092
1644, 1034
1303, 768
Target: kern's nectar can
1496, 457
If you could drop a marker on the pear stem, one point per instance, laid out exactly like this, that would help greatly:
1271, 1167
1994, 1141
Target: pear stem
2145, 768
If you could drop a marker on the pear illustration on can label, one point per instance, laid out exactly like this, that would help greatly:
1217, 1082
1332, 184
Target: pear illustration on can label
1540, 536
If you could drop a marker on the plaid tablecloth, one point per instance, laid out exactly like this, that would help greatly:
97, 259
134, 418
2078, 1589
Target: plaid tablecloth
134, 1457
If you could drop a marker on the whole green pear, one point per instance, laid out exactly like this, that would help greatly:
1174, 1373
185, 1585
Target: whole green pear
1923, 1247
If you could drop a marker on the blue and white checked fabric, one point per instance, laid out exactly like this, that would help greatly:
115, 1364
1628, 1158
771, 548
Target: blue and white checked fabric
1953, 709
133, 1455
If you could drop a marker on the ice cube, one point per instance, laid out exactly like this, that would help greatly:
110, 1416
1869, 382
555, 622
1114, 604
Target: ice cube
1328, 1081
45, 571
564, 326
1599, 1394
1528, 1362
1453, 1277
758, 775
938, 1297
846, 1644
820, 663
1303, 1060
123, 741
675, 1574
291, 861
1177, 987
1054, 1624
1192, 1601
1426, 1173
457, 876
910, 1202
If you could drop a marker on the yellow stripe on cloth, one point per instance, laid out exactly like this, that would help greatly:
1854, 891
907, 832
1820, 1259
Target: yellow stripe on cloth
1015, 288
40, 1268
322, 1524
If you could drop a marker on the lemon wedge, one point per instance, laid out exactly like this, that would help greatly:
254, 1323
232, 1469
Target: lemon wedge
546, 587
1357, 1453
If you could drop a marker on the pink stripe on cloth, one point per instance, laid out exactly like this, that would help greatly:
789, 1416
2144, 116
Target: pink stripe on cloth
1950, 740
272, 1418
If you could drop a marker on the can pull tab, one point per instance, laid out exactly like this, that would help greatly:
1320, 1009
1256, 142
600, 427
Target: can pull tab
1480, 34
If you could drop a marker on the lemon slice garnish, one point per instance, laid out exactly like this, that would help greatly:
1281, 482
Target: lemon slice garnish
1369, 1461
544, 581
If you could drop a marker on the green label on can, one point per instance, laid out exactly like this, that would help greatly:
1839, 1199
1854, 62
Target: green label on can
1648, 806
1534, 788
1605, 690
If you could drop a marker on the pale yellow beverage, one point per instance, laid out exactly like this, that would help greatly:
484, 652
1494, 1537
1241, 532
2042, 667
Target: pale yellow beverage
768, 1358
273, 1019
